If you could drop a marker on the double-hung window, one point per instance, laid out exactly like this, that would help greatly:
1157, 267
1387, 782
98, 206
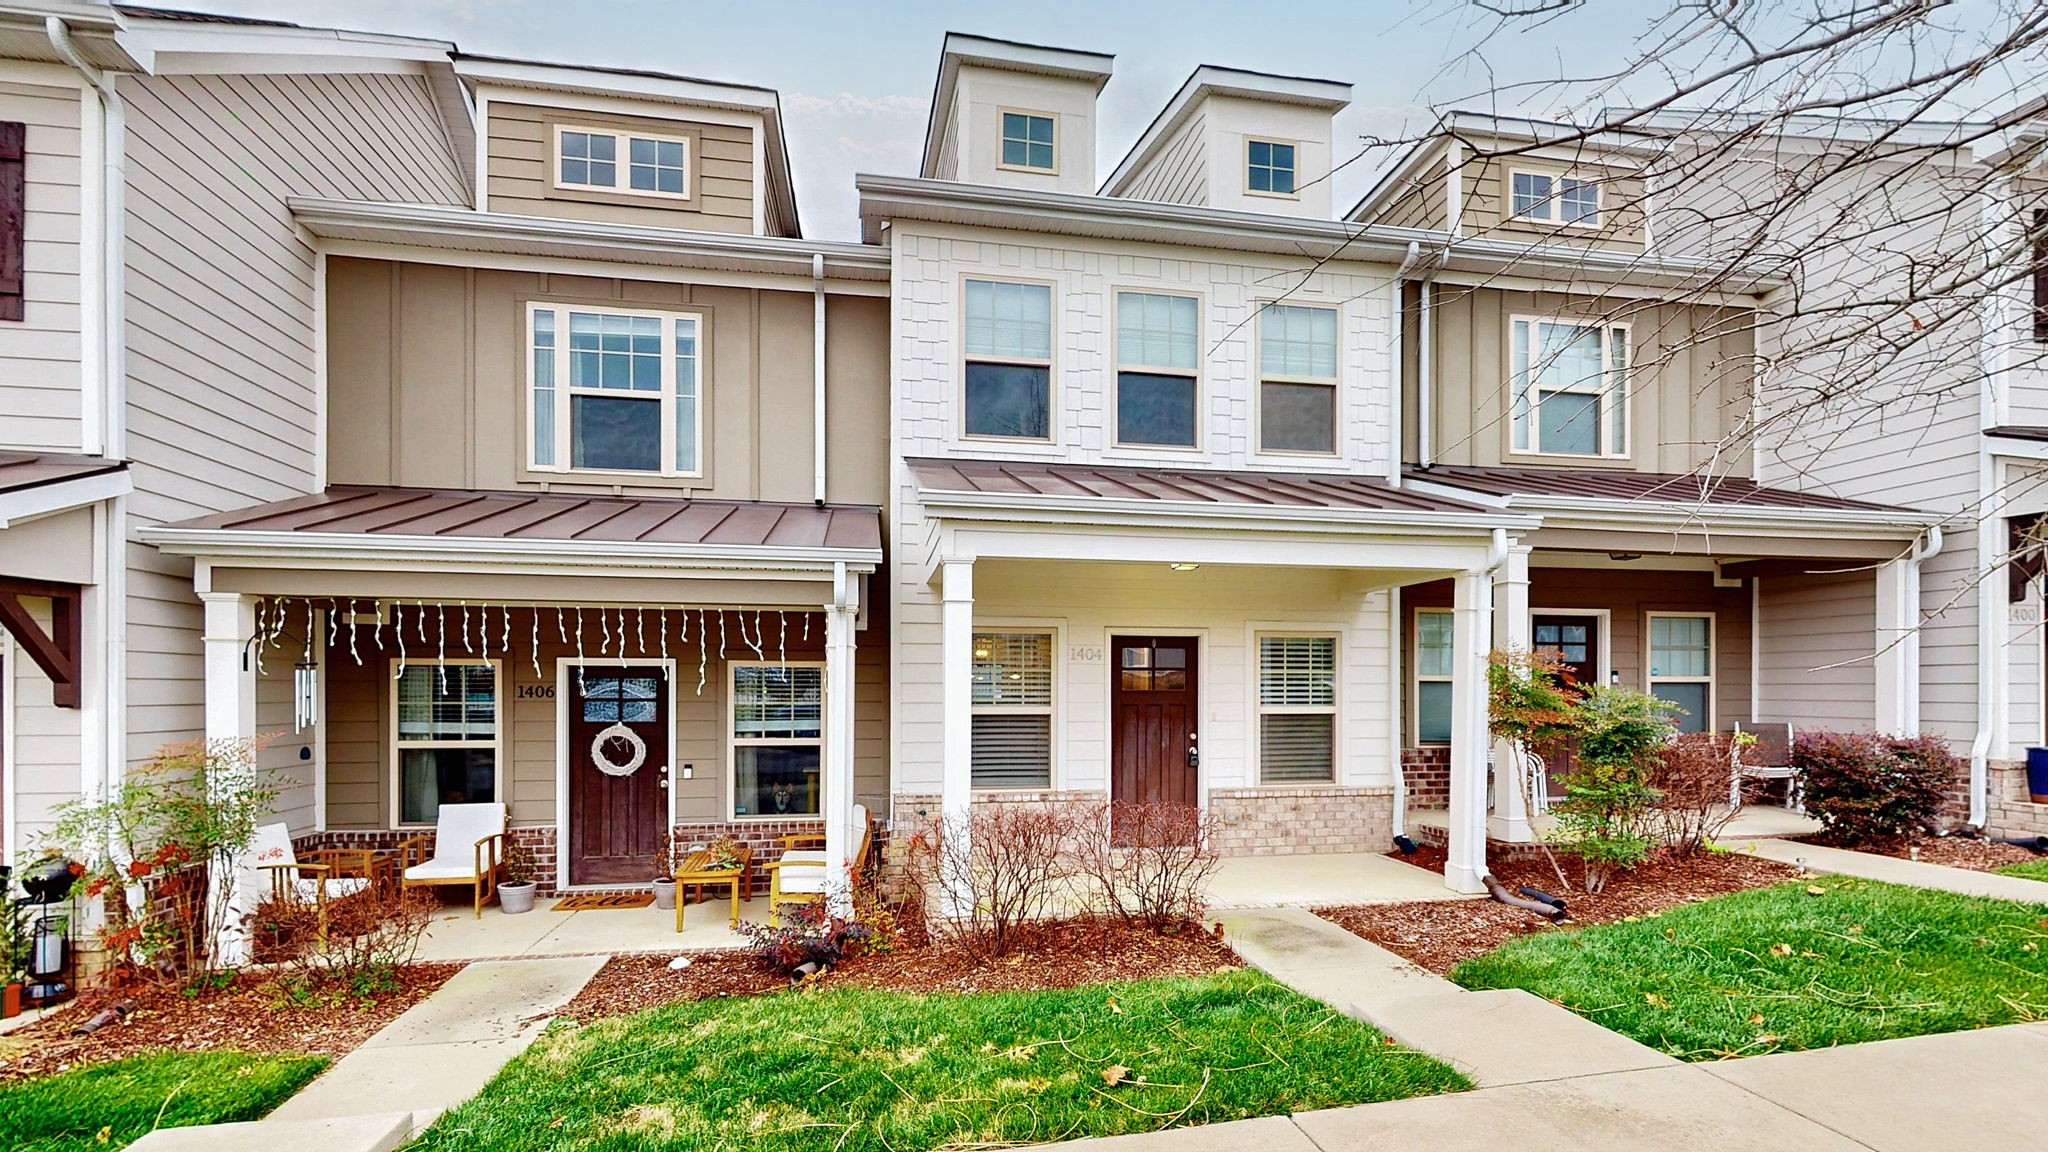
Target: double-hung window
1433, 663
446, 737
1682, 666
1297, 709
1297, 379
1554, 199
1269, 168
1570, 387
635, 163
1158, 346
614, 390
1012, 707
778, 739
1028, 141
1008, 342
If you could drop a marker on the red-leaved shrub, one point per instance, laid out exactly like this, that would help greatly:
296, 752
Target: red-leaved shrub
1864, 787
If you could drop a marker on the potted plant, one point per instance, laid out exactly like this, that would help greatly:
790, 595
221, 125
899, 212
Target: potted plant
515, 894
664, 877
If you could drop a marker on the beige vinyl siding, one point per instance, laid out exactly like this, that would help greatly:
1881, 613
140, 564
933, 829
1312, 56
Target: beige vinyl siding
45, 739
1420, 204
360, 762
947, 166
280, 754
430, 364
40, 398
1484, 209
1179, 174
220, 313
1817, 666
1688, 390
521, 178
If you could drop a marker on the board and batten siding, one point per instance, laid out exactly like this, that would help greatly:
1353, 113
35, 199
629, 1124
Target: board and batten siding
1689, 388
221, 287
521, 178
431, 364
41, 394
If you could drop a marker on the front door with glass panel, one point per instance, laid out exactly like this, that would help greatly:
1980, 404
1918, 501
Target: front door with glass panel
618, 773
1153, 705
1574, 642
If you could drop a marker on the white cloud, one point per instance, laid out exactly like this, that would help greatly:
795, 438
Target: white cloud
890, 107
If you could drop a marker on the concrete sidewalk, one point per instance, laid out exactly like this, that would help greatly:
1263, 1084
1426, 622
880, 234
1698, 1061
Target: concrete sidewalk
1871, 866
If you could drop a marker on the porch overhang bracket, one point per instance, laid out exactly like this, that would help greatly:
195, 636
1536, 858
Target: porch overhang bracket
56, 651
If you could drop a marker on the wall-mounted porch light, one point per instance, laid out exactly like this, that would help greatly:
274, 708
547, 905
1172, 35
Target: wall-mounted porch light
1183, 567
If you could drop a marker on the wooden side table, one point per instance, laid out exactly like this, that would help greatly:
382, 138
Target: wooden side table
696, 872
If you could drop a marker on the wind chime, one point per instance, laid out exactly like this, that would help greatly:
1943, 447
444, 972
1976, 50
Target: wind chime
305, 680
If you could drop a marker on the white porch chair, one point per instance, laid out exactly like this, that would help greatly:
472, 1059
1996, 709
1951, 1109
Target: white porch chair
328, 874
1769, 758
798, 875
1534, 782
469, 849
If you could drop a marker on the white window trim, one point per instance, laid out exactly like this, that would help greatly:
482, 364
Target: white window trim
1416, 678
1052, 383
1058, 674
1000, 139
1295, 170
1553, 205
1261, 377
563, 430
396, 746
1650, 682
1334, 710
621, 149
734, 743
1607, 394
1120, 366
564, 687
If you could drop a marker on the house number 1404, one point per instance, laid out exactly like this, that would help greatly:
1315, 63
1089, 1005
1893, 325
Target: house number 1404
1085, 653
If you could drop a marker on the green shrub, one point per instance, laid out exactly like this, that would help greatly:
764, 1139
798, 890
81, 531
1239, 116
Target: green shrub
1605, 813
1864, 787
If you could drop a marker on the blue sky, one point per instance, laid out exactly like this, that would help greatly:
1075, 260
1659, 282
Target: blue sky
856, 78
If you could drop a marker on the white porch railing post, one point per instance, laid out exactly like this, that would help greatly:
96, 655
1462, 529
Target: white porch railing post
230, 623
1471, 632
1898, 673
956, 664
838, 798
1509, 821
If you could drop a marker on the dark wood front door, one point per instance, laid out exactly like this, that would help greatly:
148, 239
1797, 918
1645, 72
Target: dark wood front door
1575, 642
617, 816
1153, 720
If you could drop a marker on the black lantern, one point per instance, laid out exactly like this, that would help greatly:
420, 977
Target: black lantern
48, 885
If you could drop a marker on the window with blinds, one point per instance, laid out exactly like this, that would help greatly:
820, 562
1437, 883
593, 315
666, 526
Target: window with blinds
1297, 709
1012, 697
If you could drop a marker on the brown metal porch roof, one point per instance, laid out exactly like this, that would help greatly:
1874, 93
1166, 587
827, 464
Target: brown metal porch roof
1646, 487
23, 470
1307, 491
375, 511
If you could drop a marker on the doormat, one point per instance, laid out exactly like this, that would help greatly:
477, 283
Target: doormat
593, 901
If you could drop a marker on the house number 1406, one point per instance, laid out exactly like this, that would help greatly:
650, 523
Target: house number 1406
536, 691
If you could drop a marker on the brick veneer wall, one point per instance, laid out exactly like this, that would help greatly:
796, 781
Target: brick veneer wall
2008, 811
1276, 820
1437, 837
1427, 772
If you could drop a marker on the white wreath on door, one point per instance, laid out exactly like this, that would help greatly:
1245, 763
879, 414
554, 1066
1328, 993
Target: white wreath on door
605, 763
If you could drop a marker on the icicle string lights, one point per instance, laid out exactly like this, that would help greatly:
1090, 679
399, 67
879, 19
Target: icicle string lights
352, 653
782, 638
398, 627
703, 646
536, 642
604, 625
441, 656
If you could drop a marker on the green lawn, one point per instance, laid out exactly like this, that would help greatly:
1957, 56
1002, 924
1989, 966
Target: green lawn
2027, 869
852, 1070
128, 1098
1782, 968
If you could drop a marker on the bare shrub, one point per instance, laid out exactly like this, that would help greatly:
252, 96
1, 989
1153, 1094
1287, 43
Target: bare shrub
1149, 863
1018, 867
370, 935
1691, 778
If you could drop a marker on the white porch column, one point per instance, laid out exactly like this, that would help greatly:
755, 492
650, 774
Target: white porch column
1898, 646
230, 623
1509, 820
956, 668
838, 797
1471, 634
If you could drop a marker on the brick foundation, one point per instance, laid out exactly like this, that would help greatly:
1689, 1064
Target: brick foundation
1437, 837
1427, 774
1289, 820
2008, 808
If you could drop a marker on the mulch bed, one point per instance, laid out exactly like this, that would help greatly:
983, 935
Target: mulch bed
1951, 851
247, 1016
1051, 956
1437, 934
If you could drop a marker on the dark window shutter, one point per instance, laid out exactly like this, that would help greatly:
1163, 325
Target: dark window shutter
2041, 273
13, 191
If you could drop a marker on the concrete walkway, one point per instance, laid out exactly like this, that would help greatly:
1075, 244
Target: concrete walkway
1871, 866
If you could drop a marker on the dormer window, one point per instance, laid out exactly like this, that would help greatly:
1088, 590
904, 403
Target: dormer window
1028, 142
633, 163
1269, 167
1552, 199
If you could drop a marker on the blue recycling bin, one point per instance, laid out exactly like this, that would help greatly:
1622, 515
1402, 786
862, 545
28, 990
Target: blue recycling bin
2037, 774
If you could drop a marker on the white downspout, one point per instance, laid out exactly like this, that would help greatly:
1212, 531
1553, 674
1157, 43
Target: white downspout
1989, 505
1396, 693
818, 377
1395, 441
1423, 373
111, 618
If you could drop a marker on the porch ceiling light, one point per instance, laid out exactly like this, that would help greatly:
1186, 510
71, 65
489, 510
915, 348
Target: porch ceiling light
1624, 556
1183, 567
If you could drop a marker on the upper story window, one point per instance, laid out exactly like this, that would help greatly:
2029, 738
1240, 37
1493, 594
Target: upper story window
1269, 167
1297, 379
630, 162
1554, 199
1029, 142
1008, 370
612, 390
1570, 388
1158, 346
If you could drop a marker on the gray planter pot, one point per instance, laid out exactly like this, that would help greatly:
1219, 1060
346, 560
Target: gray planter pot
516, 898
665, 894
